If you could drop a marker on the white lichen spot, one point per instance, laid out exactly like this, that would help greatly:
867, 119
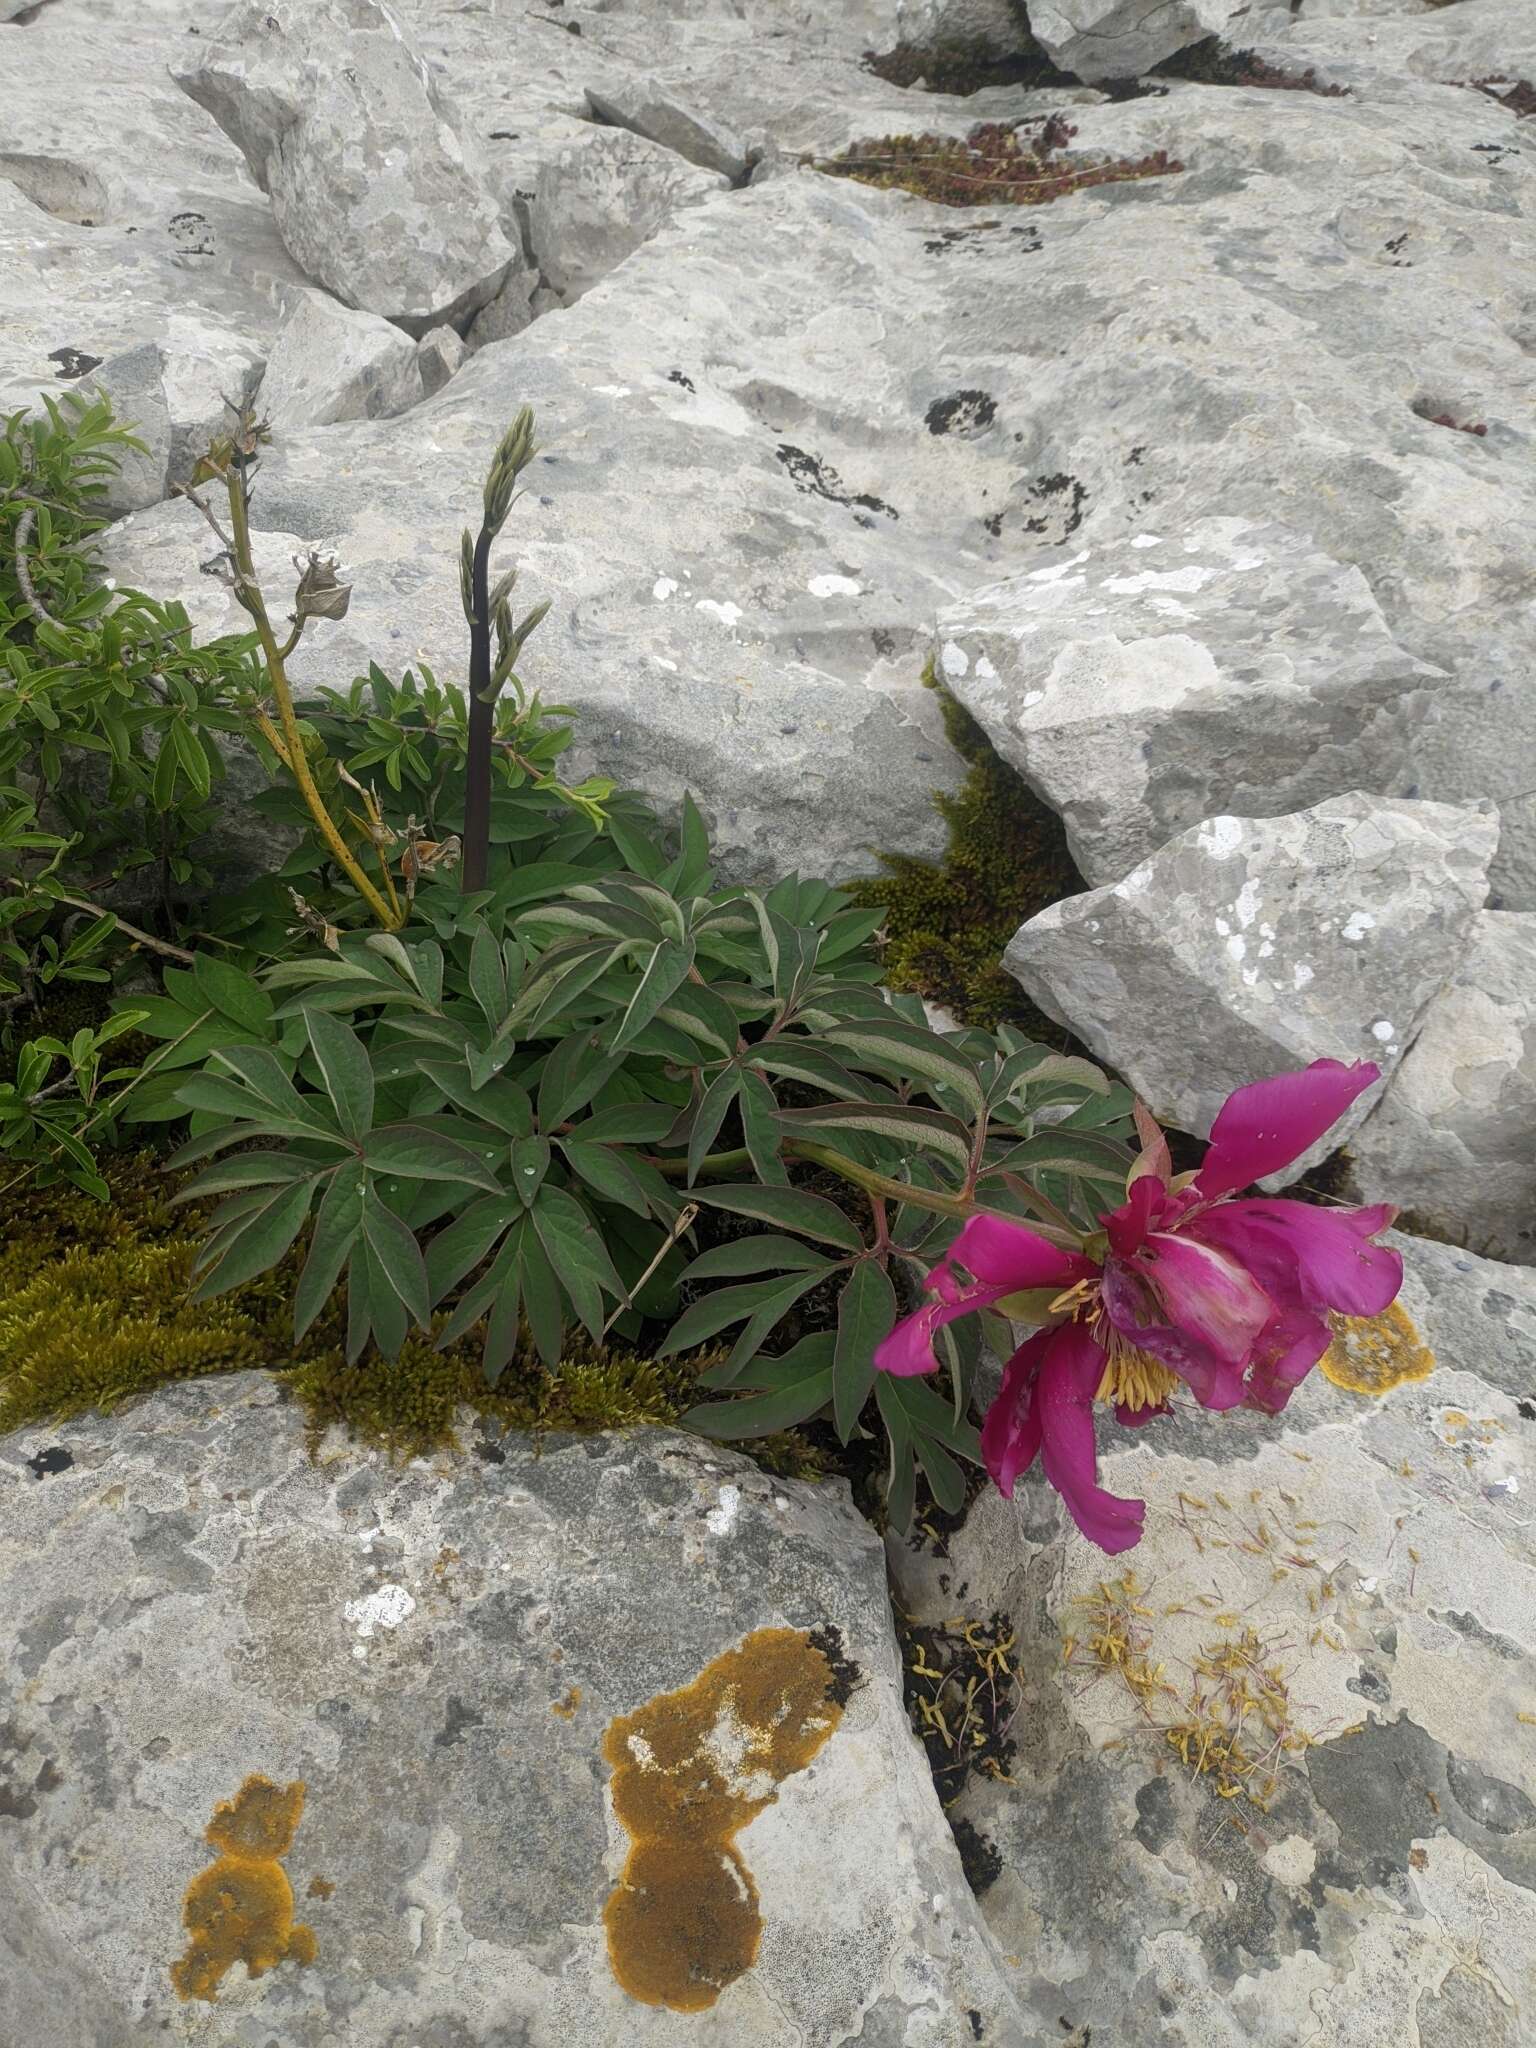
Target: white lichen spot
985, 669
1250, 977
661, 661
1031, 698
835, 586
728, 614
613, 390
1147, 540
387, 1607
1382, 1030
1246, 908
1301, 974
1137, 880
663, 588
642, 1752
1237, 946
721, 1520
1058, 570
1222, 927
1360, 922
954, 660
1266, 949
1220, 837
1191, 578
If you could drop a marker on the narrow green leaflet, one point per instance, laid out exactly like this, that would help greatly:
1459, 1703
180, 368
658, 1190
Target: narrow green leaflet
338, 1222
255, 1239
795, 1387
767, 1253
667, 968
866, 1312
930, 1130
790, 1209
760, 1305
576, 1252
760, 1127
904, 1049
345, 1070
712, 1111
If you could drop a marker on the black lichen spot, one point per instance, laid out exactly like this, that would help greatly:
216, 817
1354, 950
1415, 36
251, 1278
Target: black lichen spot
1061, 521
847, 1678
820, 480
459, 1717
192, 233
980, 1859
963, 412
54, 1459
975, 2019
1154, 1815
72, 362
1527, 1409
677, 377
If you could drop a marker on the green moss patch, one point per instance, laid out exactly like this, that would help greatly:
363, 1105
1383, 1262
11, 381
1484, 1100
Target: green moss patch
96, 1308
997, 164
948, 923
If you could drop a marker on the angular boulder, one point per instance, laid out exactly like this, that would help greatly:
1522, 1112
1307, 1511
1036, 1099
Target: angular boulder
597, 200
331, 363
1143, 686
1453, 1140
1247, 946
478, 1741
1123, 38
342, 122
676, 122
1270, 1775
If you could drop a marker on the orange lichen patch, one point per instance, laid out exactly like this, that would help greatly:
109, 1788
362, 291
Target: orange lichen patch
566, 1708
1373, 1354
240, 1909
321, 1888
690, 1769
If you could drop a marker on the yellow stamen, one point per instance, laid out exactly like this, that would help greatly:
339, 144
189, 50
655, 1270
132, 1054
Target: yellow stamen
1133, 1379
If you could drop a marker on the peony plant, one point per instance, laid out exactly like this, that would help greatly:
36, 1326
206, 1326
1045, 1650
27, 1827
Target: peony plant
1185, 1286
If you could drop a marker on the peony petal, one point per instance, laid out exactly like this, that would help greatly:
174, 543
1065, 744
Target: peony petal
1262, 1127
908, 1350
1133, 1418
1308, 1257
1204, 1293
1134, 1311
1010, 1435
1007, 1256
1285, 1354
1128, 1225
1064, 1398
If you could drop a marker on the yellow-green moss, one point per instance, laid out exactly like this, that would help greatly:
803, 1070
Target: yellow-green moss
1007, 858
95, 1308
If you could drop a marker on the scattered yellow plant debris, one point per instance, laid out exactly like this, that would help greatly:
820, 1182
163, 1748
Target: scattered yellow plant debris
690, 1769
240, 1909
567, 1707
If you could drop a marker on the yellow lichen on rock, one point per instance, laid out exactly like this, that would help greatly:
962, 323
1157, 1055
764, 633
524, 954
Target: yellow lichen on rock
690, 1769
1373, 1354
240, 1909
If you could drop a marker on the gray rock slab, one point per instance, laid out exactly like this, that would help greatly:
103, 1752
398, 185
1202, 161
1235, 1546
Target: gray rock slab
1366, 1563
438, 355
330, 362
343, 123
1453, 1140
1143, 686
1123, 38
435, 1653
598, 199
1246, 947
648, 109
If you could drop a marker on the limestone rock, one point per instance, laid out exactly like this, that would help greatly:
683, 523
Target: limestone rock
1364, 1566
1142, 687
134, 385
508, 313
1453, 1140
342, 122
1123, 38
426, 1662
1245, 947
330, 363
648, 109
599, 199
438, 354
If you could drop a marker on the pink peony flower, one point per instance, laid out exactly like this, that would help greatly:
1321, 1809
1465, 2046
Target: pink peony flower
1186, 1286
